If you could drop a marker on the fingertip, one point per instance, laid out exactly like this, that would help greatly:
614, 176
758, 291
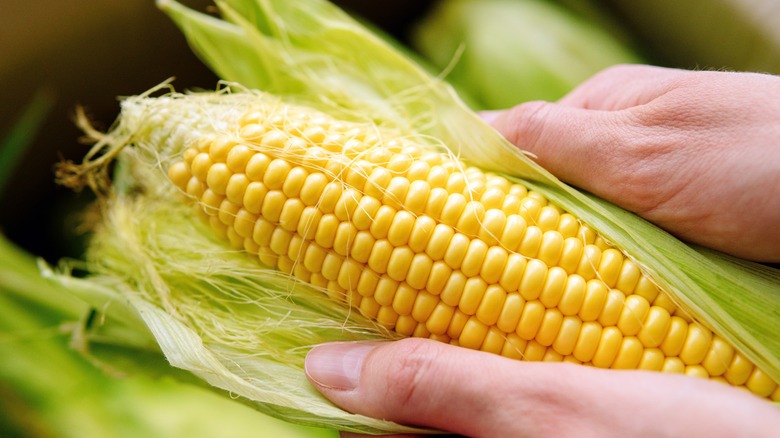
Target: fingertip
337, 365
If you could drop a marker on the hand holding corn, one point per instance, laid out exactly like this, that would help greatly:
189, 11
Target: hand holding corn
465, 392
695, 152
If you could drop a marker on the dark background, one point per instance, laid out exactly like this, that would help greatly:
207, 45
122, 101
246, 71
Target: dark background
89, 53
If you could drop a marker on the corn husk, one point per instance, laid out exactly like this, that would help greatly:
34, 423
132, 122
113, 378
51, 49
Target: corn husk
49, 389
217, 313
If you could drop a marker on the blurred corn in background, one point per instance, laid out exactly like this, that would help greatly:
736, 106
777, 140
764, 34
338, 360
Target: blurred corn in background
58, 56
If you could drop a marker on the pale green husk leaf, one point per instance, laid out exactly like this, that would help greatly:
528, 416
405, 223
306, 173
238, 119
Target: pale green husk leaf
217, 313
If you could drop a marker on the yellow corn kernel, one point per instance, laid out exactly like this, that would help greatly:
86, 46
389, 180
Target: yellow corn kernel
280, 241
456, 324
554, 287
574, 295
567, 335
655, 326
760, 384
613, 308
673, 365
453, 288
652, 360
513, 272
236, 188
438, 277
571, 254
421, 232
403, 301
551, 247
513, 232
675, 337
532, 241
548, 218
419, 270
492, 226
530, 320
510, 313
568, 225
399, 263
534, 351
385, 290
608, 348
493, 265
513, 346
439, 320
534, 275
588, 341
386, 316
718, 357
630, 354
588, 265
368, 283
696, 344
739, 370
491, 305
473, 333
474, 258
610, 265
494, 341
696, 371
635, 309
473, 292
423, 307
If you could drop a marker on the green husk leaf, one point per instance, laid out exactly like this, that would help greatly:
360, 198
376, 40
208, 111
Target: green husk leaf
247, 329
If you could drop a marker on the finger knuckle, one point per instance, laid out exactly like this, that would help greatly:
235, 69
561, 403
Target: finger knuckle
412, 369
528, 123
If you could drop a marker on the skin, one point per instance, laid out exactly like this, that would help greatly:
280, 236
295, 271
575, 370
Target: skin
696, 153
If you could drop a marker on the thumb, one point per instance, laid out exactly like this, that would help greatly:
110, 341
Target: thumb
580, 146
428, 383
412, 381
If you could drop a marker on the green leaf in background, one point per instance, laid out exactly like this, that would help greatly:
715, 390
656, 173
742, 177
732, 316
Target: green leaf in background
504, 52
739, 35
49, 390
23, 133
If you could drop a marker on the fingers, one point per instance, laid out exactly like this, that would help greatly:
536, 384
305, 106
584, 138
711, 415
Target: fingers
411, 382
623, 86
426, 383
582, 147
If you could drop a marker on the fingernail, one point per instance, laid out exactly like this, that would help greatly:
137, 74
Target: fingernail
337, 365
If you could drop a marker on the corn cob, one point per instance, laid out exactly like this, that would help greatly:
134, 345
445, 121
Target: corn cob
429, 247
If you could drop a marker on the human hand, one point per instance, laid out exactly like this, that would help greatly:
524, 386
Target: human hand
695, 152
467, 392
